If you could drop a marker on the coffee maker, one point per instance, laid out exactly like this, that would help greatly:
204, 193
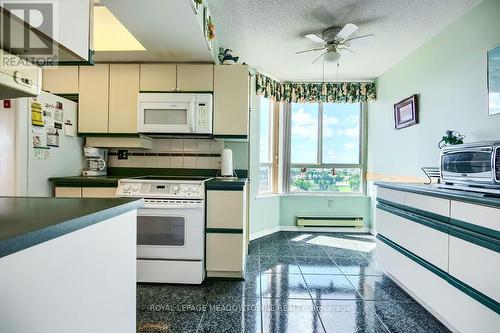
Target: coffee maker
95, 161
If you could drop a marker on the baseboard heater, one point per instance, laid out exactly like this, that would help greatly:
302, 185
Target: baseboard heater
330, 221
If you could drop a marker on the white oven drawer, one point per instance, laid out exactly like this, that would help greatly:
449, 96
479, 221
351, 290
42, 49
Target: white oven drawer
170, 271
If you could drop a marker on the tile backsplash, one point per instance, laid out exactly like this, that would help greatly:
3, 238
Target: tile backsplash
172, 153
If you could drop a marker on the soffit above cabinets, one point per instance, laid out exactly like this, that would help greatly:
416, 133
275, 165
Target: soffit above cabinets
59, 31
170, 31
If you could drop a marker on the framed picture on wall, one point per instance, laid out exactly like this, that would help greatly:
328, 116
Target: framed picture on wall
494, 81
406, 112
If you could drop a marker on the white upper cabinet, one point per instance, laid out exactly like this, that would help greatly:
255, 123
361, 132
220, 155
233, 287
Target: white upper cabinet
93, 101
62, 28
123, 91
195, 77
60, 80
158, 77
231, 100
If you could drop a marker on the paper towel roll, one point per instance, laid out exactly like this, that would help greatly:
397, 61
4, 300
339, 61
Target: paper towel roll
226, 163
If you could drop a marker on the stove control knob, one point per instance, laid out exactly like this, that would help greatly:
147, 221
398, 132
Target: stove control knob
184, 189
176, 188
135, 188
126, 188
193, 189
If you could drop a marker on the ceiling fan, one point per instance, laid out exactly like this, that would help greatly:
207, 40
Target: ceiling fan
334, 42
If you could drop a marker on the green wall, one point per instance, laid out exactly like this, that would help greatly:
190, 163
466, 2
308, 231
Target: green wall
449, 74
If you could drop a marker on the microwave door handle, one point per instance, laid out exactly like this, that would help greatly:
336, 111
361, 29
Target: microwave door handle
193, 117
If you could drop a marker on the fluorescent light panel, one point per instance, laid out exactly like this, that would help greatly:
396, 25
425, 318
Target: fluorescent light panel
110, 34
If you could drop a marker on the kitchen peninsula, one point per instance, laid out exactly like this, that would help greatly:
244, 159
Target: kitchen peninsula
67, 264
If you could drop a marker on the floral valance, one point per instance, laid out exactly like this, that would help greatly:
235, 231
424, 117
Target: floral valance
328, 92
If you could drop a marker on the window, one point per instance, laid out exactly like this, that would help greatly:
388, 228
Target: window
325, 148
266, 140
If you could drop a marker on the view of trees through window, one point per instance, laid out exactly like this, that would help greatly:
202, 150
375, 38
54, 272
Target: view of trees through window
325, 147
325, 180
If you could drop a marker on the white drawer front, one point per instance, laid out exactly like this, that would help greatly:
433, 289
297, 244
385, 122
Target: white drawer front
225, 209
427, 203
476, 266
225, 252
391, 195
483, 216
463, 312
425, 242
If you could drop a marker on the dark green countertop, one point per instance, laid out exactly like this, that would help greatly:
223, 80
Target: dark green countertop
432, 190
225, 185
25, 222
86, 181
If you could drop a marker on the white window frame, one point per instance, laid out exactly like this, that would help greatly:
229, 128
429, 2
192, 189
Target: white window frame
271, 150
288, 165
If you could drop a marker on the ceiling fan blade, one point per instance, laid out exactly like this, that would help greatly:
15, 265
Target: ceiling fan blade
321, 55
359, 37
315, 38
347, 31
310, 50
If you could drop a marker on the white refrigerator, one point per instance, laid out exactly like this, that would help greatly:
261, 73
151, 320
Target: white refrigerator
38, 140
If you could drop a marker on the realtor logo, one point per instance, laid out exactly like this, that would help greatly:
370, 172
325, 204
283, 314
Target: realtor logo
29, 30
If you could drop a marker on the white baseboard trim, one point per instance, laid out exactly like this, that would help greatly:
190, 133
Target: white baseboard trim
269, 231
265, 232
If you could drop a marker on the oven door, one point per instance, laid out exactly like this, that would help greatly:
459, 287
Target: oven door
166, 117
467, 165
175, 232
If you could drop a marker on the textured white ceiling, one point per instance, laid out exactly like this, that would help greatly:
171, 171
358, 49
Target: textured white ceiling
266, 33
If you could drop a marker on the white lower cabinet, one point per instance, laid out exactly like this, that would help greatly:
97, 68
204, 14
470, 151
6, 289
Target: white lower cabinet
483, 216
226, 209
68, 192
387, 194
427, 203
459, 278
225, 255
476, 266
85, 192
226, 232
98, 192
427, 243
453, 307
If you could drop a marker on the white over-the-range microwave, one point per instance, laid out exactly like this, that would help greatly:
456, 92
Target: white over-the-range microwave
174, 113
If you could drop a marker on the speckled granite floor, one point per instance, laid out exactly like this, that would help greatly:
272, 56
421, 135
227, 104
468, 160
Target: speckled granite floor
295, 282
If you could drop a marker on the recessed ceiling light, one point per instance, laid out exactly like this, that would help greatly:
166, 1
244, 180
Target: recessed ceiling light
110, 34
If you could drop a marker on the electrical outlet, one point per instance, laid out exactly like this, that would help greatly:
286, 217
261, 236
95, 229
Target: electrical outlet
330, 203
123, 154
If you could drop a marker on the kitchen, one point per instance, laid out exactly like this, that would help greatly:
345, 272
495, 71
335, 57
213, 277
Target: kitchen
219, 198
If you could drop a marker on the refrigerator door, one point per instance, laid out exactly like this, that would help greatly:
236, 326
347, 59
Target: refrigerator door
57, 154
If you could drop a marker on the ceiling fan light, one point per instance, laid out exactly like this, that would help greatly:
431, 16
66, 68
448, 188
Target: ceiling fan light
332, 56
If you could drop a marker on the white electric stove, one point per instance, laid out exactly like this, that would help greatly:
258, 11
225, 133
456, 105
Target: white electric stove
170, 228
